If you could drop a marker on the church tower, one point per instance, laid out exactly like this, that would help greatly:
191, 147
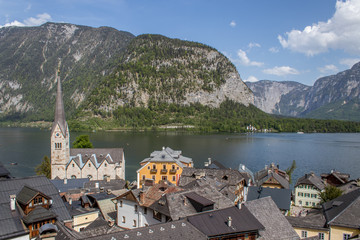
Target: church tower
60, 137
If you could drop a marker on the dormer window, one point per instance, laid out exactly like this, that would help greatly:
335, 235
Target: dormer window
38, 200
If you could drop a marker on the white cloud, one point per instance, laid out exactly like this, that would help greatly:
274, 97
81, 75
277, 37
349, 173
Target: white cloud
244, 60
252, 45
232, 23
328, 68
281, 71
274, 50
38, 20
342, 31
251, 79
349, 61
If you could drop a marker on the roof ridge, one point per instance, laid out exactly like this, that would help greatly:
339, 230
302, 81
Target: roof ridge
346, 206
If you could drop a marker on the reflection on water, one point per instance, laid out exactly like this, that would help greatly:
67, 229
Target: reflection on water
312, 152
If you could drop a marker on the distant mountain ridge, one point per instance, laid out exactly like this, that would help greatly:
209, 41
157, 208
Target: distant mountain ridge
332, 97
103, 68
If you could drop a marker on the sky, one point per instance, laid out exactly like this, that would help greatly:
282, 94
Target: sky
266, 40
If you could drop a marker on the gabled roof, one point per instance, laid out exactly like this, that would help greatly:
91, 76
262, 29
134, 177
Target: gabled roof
311, 179
344, 210
314, 219
96, 156
38, 214
27, 193
71, 184
281, 197
167, 155
275, 223
214, 223
282, 181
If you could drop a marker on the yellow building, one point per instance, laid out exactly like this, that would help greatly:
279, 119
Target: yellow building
165, 165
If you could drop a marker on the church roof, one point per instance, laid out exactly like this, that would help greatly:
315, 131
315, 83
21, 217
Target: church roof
59, 109
96, 155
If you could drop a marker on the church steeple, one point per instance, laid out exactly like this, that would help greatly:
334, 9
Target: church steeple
59, 108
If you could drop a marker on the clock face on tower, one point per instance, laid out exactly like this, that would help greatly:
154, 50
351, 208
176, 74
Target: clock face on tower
57, 134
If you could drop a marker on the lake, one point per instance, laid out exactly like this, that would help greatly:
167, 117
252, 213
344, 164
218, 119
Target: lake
313, 152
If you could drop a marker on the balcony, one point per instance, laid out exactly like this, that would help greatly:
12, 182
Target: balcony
153, 171
163, 171
172, 171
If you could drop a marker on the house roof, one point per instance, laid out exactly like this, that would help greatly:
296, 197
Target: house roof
176, 230
261, 179
96, 156
314, 219
281, 197
268, 214
177, 205
216, 165
10, 221
168, 155
71, 184
113, 184
26, 194
104, 202
38, 214
227, 176
311, 179
344, 210
215, 223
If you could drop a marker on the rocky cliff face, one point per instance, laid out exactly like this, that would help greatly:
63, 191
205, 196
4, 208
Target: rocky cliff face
106, 68
332, 97
156, 69
29, 58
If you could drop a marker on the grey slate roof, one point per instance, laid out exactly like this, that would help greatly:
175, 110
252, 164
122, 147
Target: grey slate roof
214, 223
77, 183
282, 181
344, 210
276, 225
113, 184
177, 230
168, 155
281, 197
227, 176
96, 155
314, 219
10, 221
38, 214
311, 179
176, 205
26, 194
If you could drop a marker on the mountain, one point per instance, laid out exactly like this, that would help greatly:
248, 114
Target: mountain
103, 68
332, 97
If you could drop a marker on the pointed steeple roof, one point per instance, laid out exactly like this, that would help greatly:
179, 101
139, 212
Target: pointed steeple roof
59, 108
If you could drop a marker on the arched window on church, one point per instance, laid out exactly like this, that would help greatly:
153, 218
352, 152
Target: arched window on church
73, 177
89, 176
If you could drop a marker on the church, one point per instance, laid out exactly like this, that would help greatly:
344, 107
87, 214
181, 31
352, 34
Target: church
93, 163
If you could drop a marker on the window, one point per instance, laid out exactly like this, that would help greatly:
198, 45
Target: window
73, 165
123, 219
307, 203
174, 178
73, 177
153, 177
164, 167
148, 167
134, 223
321, 236
304, 234
120, 203
154, 166
37, 200
136, 208
145, 210
164, 178
105, 165
300, 202
299, 194
346, 236
143, 177
173, 167
89, 176
157, 215
89, 165
313, 204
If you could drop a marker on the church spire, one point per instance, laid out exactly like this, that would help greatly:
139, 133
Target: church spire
59, 107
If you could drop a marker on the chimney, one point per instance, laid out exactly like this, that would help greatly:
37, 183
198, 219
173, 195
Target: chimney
243, 167
65, 180
108, 191
70, 201
96, 185
229, 220
184, 201
12, 202
163, 148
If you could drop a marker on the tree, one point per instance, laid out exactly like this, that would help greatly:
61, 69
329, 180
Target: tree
290, 170
330, 192
44, 168
82, 141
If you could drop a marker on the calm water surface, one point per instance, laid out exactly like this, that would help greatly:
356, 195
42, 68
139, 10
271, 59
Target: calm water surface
312, 152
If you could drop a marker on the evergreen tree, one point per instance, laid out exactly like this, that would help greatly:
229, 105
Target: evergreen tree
82, 141
330, 192
44, 168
